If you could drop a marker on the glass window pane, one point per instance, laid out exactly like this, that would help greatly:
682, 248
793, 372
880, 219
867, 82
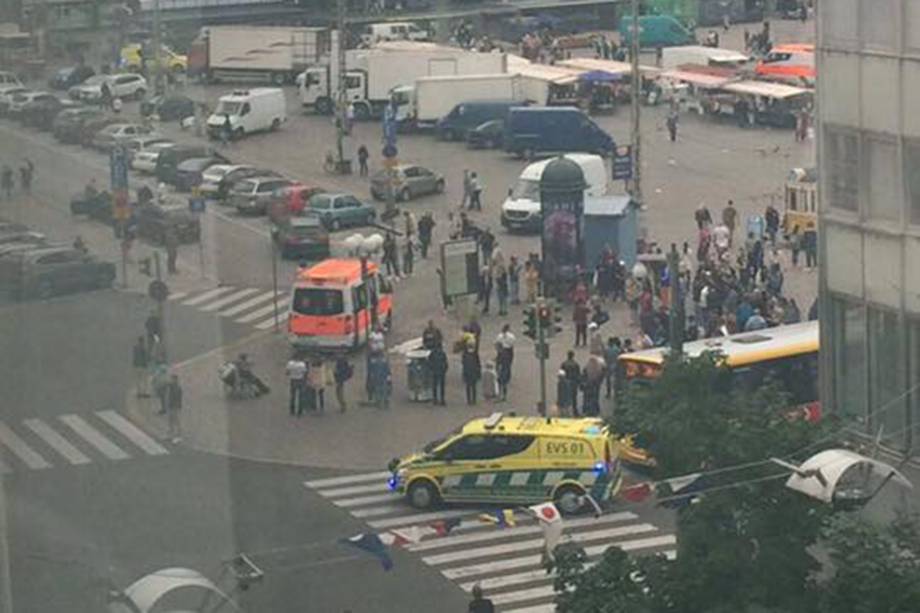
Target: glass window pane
913, 380
887, 377
878, 23
885, 187
849, 359
842, 167
912, 172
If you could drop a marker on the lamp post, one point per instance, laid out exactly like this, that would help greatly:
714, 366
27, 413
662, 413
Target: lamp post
363, 247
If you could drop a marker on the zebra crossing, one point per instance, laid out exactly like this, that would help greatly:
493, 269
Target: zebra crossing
250, 306
505, 562
73, 440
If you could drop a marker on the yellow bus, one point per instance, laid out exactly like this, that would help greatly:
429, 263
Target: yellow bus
785, 354
800, 200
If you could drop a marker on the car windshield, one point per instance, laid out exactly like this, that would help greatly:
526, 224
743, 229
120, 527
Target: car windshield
227, 107
526, 189
245, 187
318, 301
430, 447
320, 202
96, 80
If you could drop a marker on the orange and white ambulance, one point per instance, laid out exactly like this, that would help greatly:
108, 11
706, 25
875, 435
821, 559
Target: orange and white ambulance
331, 304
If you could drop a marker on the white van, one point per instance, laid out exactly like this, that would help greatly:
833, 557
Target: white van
521, 209
262, 108
672, 57
393, 30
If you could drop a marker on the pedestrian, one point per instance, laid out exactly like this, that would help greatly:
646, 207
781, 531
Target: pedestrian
342, 372
771, 216
6, 181
471, 371
594, 372
172, 251
730, 219
409, 224
504, 347
596, 340
795, 244
672, 124
755, 322
810, 245
318, 379
363, 155
296, 371
425, 227
437, 364
572, 372
173, 404
480, 604
580, 318
487, 244
702, 216
116, 105
501, 289
531, 281
25, 175
611, 357
390, 256
475, 192
514, 279
467, 189
226, 131
380, 379
485, 287
563, 394
140, 360
408, 257
153, 328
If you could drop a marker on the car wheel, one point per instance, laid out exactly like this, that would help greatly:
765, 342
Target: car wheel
370, 219
104, 281
140, 93
439, 186
568, 499
335, 224
404, 195
45, 289
422, 494
323, 106
276, 123
362, 113
238, 133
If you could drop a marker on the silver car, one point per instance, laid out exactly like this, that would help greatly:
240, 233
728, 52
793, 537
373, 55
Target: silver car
410, 181
119, 133
251, 196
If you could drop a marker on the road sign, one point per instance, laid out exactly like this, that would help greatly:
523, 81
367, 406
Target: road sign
158, 290
196, 204
622, 165
118, 168
460, 263
390, 151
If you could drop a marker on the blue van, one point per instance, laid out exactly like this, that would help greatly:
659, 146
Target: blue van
529, 130
468, 115
656, 31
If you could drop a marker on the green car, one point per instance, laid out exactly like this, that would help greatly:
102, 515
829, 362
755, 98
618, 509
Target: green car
341, 210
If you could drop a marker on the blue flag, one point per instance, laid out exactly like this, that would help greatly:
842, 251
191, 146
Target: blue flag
372, 544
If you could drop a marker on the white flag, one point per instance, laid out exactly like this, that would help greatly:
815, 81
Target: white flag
678, 483
551, 522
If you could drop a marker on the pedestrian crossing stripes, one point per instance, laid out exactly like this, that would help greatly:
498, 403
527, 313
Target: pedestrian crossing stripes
506, 563
73, 440
251, 306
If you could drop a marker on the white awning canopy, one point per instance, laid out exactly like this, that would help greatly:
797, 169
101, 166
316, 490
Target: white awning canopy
820, 474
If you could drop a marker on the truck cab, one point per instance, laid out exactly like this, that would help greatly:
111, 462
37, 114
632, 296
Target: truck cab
318, 92
393, 30
262, 108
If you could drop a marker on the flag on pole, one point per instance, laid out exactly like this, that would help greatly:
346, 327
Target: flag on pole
637, 492
551, 522
503, 518
442, 527
372, 544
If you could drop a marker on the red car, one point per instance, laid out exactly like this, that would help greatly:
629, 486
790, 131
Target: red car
291, 201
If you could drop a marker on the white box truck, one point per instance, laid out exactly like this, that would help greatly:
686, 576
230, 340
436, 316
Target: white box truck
672, 57
373, 74
247, 111
433, 97
275, 54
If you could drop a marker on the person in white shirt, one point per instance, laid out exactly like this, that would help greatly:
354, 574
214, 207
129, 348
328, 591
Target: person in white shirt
504, 347
296, 371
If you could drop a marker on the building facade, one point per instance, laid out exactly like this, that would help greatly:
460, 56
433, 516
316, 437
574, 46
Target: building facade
869, 217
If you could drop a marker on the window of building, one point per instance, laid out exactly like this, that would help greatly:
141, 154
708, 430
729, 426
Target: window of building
842, 167
883, 179
838, 20
913, 381
911, 27
878, 23
912, 173
887, 377
848, 346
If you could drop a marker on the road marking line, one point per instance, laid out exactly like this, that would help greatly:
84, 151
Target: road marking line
29, 456
376, 488
268, 323
375, 511
56, 441
213, 306
132, 432
482, 552
549, 607
263, 312
177, 295
530, 576
208, 295
544, 591
484, 568
363, 500
248, 304
94, 437
450, 541
404, 520
319, 483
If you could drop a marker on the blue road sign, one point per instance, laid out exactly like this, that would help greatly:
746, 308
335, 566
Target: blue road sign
118, 167
621, 163
196, 204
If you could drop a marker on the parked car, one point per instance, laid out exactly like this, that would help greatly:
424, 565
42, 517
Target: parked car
226, 183
291, 201
46, 272
22, 237
340, 210
65, 78
301, 237
409, 182
145, 160
68, 124
6, 96
40, 113
212, 176
98, 207
486, 135
143, 143
251, 196
189, 172
168, 108
18, 102
169, 159
127, 85
118, 133
155, 220
8, 79
88, 129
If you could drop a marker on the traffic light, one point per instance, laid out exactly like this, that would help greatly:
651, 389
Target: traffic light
530, 323
549, 320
